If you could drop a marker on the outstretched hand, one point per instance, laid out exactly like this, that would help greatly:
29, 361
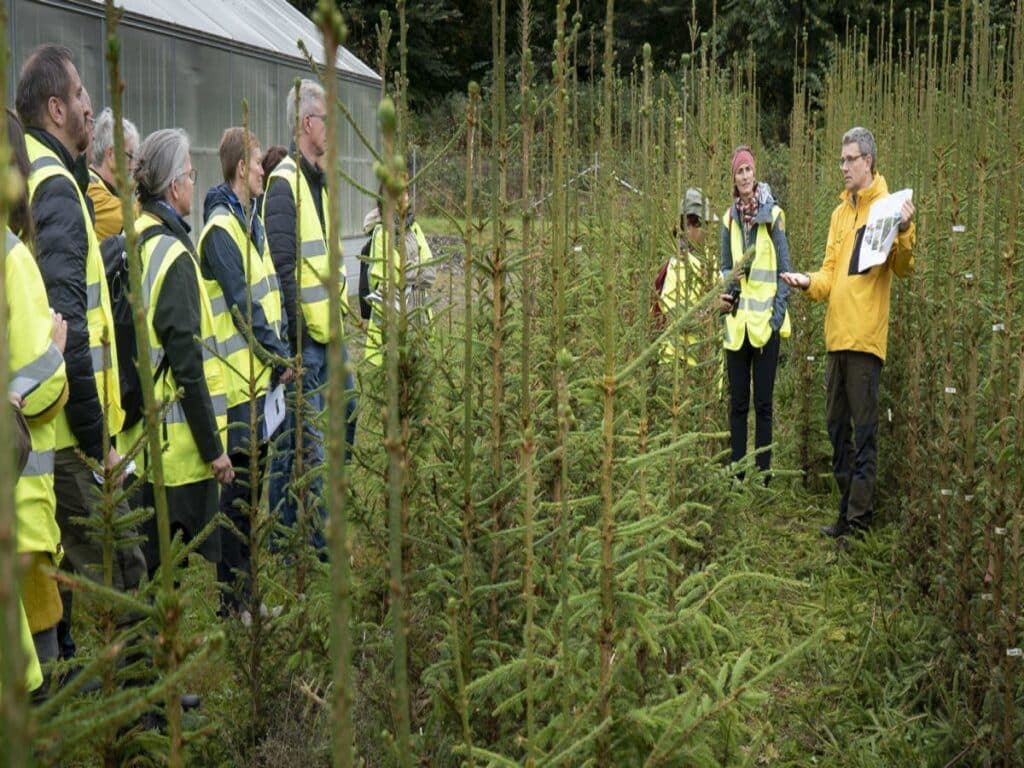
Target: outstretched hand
796, 279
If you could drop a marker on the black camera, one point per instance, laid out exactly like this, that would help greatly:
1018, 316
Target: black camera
733, 292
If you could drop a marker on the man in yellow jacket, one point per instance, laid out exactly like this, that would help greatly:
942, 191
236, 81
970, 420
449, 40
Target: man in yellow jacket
856, 328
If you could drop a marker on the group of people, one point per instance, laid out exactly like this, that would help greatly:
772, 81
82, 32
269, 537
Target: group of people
757, 277
225, 314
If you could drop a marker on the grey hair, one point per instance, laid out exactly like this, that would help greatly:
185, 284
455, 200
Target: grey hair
310, 92
103, 136
865, 142
159, 161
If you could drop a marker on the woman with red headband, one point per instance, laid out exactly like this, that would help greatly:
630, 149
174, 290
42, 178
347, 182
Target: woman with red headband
754, 253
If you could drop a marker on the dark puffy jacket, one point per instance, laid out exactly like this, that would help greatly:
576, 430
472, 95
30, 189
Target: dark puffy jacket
279, 219
61, 247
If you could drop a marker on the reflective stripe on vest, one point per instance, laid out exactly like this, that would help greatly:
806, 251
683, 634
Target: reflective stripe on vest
757, 288
182, 462
39, 463
31, 375
176, 414
99, 319
313, 294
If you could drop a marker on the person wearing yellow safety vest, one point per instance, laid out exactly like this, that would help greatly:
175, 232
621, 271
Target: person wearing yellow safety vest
38, 385
418, 276
296, 212
240, 278
33, 672
183, 347
680, 281
103, 167
51, 103
754, 305
856, 328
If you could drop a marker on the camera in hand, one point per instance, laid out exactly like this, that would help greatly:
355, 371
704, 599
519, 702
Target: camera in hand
733, 292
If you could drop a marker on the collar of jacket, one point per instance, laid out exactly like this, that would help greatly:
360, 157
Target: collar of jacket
314, 174
878, 189
765, 203
107, 184
54, 145
224, 193
173, 223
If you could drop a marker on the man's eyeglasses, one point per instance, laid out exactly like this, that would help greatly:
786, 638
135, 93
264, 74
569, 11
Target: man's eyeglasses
192, 174
845, 161
320, 117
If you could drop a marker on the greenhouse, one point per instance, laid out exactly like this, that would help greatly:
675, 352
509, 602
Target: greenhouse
189, 64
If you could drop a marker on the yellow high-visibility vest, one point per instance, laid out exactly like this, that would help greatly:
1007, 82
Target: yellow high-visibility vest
263, 286
312, 292
182, 462
757, 288
100, 320
682, 288
33, 672
38, 376
374, 329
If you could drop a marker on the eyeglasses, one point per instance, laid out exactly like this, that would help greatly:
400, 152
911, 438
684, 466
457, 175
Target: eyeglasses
320, 117
845, 161
192, 174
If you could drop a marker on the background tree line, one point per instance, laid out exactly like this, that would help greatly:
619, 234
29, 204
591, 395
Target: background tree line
450, 40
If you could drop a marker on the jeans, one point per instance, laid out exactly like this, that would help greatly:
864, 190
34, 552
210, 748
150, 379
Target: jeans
851, 383
282, 498
762, 362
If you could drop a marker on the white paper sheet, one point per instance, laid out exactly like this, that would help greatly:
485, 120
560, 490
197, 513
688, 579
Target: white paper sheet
881, 229
273, 411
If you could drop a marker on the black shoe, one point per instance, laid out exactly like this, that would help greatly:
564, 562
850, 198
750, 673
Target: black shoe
852, 533
837, 529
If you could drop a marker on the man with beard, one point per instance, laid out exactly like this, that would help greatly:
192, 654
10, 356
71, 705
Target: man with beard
54, 107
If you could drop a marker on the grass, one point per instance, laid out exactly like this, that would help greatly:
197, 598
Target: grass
860, 697
851, 700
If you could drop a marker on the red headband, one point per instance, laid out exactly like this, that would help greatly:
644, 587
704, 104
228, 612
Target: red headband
740, 157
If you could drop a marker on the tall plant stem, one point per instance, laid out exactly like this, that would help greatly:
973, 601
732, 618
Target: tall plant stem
559, 241
606, 631
343, 752
526, 410
499, 160
393, 178
469, 523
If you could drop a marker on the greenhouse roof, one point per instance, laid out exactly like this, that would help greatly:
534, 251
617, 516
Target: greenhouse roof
266, 26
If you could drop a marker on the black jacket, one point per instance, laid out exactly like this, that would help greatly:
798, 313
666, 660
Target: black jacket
279, 218
176, 322
62, 246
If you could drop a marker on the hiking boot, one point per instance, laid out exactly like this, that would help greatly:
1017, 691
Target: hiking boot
837, 529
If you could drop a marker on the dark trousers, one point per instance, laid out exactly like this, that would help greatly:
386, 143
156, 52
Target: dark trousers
760, 363
234, 571
851, 382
